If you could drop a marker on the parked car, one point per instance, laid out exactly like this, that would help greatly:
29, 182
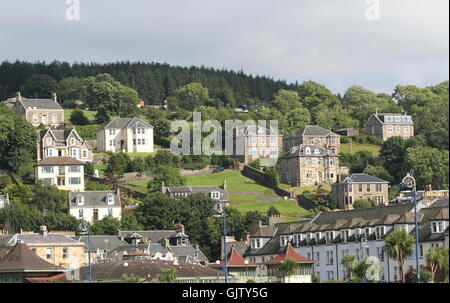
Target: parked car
218, 170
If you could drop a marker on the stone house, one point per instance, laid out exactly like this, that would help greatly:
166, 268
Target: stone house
360, 187
218, 193
40, 111
314, 135
384, 126
256, 142
65, 172
92, 206
63, 143
128, 135
308, 165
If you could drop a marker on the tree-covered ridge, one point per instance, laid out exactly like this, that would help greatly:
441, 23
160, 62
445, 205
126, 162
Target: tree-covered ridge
153, 81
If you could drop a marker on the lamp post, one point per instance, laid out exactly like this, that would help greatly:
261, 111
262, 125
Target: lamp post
409, 182
84, 227
220, 209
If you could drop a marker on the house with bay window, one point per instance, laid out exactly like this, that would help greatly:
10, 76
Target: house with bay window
127, 135
92, 206
65, 172
360, 187
314, 135
63, 143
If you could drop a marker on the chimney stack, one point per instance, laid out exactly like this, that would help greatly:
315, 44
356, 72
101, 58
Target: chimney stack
225, 184
163, 187
376, 111
246, 237
43, 230
54, 97
18, 96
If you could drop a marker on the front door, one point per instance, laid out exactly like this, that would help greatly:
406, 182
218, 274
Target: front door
95, 215
44, 119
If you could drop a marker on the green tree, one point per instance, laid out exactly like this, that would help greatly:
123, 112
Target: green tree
350, 264
129, 221
393, 155
130, 278
362, 204
437, 260
191, 96
286, 100
158, 211
106, 226
272, 211
169, 175
48, 198
102, 116
379, 172
113, 172
168, 275
399, 246
78, 118
288, 268
39, 86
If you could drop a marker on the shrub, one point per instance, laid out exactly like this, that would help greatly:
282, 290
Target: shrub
78, 118
362, 204
88, 132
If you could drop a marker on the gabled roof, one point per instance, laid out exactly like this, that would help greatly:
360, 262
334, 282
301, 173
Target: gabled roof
107, 243
289, 253
314, 150
127, 123
363, 178
39, 104
21, 259
313, 131
53, 161
234, 259
206, 190
153, 235
254, 130
93, 198
58, 134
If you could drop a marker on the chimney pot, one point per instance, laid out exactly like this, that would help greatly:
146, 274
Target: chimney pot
54, 97
18, 96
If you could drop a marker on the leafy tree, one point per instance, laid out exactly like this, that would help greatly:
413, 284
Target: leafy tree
286, 100
129, 221
332, 201
130, 278
102, 116
430, 166
350, 264
113, 172
437, 260
89, 169
272, 211
48, 198
78, 118
168, 275
393, 154
399, 246
106, 226
288, 268
226, 97
362, 204
379, 172
160, 124
157, 211
39, 86
169, 175
191, 96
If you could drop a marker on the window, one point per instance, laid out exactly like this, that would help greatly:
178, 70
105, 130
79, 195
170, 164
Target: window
143, 141
35, 119
111, 143
330, 275
273, 140
47, 169
308, 237
309, 161
345, 234
437, 226
110, 199
344, 252
380, 253
33, 250
80, 200
110, 211
48, 253
262, 140
307, 151
50, 152
368, 187
65, 253
141, 130
47, 181
367, 232
350, 188
80, 213
379, 232
49, 141
112, 132
215, 195
74, 169
330, 260
399, 128
406, 129
360, 188
329, 236
84, 153
357, 253
389, 129
331, 161
256, 243
54, 118
253, 140
73, 141
317, 256
75, 181
284, 240
318, 236
273, 151
309, 174
378, 187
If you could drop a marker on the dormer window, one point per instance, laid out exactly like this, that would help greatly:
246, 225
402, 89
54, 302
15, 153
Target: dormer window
284, 240
110, 199
437, 227
80, 200
316, 151
308, 237
318, 236
307, 151
402, 227
329, 236
379, 232
215, 195
256, 243
345, 234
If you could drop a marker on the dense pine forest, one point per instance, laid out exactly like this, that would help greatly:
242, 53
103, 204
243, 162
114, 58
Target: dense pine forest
153, 81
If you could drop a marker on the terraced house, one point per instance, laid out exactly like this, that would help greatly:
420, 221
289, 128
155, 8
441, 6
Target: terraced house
40, 111
384, 126
307, 165
63, 143
360, 187
331, 235
314, 135
127, 135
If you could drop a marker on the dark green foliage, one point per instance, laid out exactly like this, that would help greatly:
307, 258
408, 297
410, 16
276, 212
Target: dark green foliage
89, 170
39, 86
169, 175
272, 212
102, 116
332, 201
106, 226
363, 204
96, 185
78, 118
88, 132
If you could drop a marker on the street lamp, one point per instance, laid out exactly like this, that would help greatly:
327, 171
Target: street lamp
84, 228
246, 272
409, 182
219, 207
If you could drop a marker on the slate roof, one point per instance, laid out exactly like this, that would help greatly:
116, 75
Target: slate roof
53, 161
382, 116
113, 271
206, 190
36, 238
425, 229
312, 131
153, 235
254, 130
185, 253
257, 230
127, 123
299, 151
101, 242
363, 178
21, 259
440, 203
93, 199
59, 134
39, 104
150, 248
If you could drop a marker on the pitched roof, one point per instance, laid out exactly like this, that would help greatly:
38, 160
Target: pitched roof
363, 178
289, 253
153, 235
127, 123
234, 259
405, 119
59, 134
39, 103
440, 203
312, 131
314, 150
52, 161
36, 238
188, 253
254, 130
107, 243
206, 190
93, 198
21, 259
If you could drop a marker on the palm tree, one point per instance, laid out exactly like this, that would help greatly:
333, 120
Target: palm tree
349, 262
399, 245
288, 268
168, 275
437, 259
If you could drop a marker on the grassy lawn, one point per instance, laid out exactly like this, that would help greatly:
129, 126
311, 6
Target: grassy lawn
132, 155
139, 183
374, 149
238, 198
301, 189
285, 207
235, 181
101, 169
88, 113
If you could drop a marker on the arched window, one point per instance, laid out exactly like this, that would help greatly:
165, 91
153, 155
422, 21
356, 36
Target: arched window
110, 199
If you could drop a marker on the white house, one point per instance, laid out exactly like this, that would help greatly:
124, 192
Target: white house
65, 172
128, 135
92, 206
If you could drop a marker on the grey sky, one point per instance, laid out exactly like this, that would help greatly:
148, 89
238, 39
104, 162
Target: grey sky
328, 41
